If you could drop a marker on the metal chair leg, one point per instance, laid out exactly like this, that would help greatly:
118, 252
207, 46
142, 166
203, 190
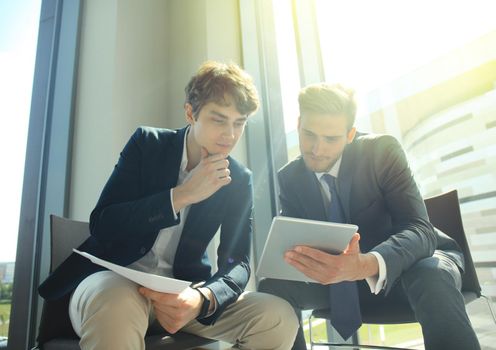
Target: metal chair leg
310, 331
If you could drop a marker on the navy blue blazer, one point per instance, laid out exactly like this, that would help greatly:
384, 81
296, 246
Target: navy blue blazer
135, 205
379, 194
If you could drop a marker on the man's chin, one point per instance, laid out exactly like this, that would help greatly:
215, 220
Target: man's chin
316, 167
220, 150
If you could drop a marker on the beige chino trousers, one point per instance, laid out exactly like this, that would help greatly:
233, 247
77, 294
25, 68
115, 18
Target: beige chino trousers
108, 312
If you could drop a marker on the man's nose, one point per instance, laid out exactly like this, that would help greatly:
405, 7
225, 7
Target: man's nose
228, 132
316, 148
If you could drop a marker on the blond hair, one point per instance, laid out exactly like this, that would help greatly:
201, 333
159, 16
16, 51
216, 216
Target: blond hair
332, 99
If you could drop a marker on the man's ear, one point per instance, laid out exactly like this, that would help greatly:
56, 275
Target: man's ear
351, 135
299, 122
188, 113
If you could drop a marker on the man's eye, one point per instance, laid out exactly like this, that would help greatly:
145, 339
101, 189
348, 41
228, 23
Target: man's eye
332, 139
218, 121
239, 124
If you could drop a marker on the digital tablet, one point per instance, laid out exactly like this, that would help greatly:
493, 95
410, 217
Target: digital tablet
286, 232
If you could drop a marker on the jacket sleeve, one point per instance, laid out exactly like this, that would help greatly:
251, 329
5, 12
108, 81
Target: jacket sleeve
123, 209
412, 237
233, 254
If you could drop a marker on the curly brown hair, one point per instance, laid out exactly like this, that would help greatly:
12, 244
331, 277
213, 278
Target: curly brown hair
214, 81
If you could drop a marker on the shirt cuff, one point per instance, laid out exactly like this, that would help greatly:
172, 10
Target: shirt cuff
377, 283
172, 204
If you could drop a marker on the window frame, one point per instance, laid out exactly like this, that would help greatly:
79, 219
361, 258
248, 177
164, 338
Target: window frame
266, 139
47, 163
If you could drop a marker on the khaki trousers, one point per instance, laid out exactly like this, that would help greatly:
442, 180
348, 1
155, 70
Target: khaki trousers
108, 312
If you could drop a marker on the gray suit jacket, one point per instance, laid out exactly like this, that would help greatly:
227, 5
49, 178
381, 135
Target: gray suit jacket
379, 194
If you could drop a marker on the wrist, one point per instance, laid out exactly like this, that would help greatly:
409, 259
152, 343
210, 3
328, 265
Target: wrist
180, 198
205, 304
369, 265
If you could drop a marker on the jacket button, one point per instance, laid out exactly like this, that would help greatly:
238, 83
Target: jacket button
142, 250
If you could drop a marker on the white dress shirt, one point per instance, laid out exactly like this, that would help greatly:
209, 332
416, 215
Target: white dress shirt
376, 283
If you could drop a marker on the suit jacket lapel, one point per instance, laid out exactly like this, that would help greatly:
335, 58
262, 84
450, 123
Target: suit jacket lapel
308, 189
167, 161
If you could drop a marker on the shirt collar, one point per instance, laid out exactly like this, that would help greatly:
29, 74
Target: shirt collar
334, 171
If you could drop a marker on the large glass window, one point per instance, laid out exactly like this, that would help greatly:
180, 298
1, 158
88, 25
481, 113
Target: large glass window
288, 71
425, 72
18, 37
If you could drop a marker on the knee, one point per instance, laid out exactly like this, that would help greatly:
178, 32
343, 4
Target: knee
280, 315
277, 316
432, 276
287, 323
279, 310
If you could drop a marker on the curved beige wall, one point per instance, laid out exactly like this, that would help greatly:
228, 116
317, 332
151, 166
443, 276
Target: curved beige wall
455, 149
121, 84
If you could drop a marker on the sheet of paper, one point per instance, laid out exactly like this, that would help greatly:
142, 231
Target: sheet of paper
151, 281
